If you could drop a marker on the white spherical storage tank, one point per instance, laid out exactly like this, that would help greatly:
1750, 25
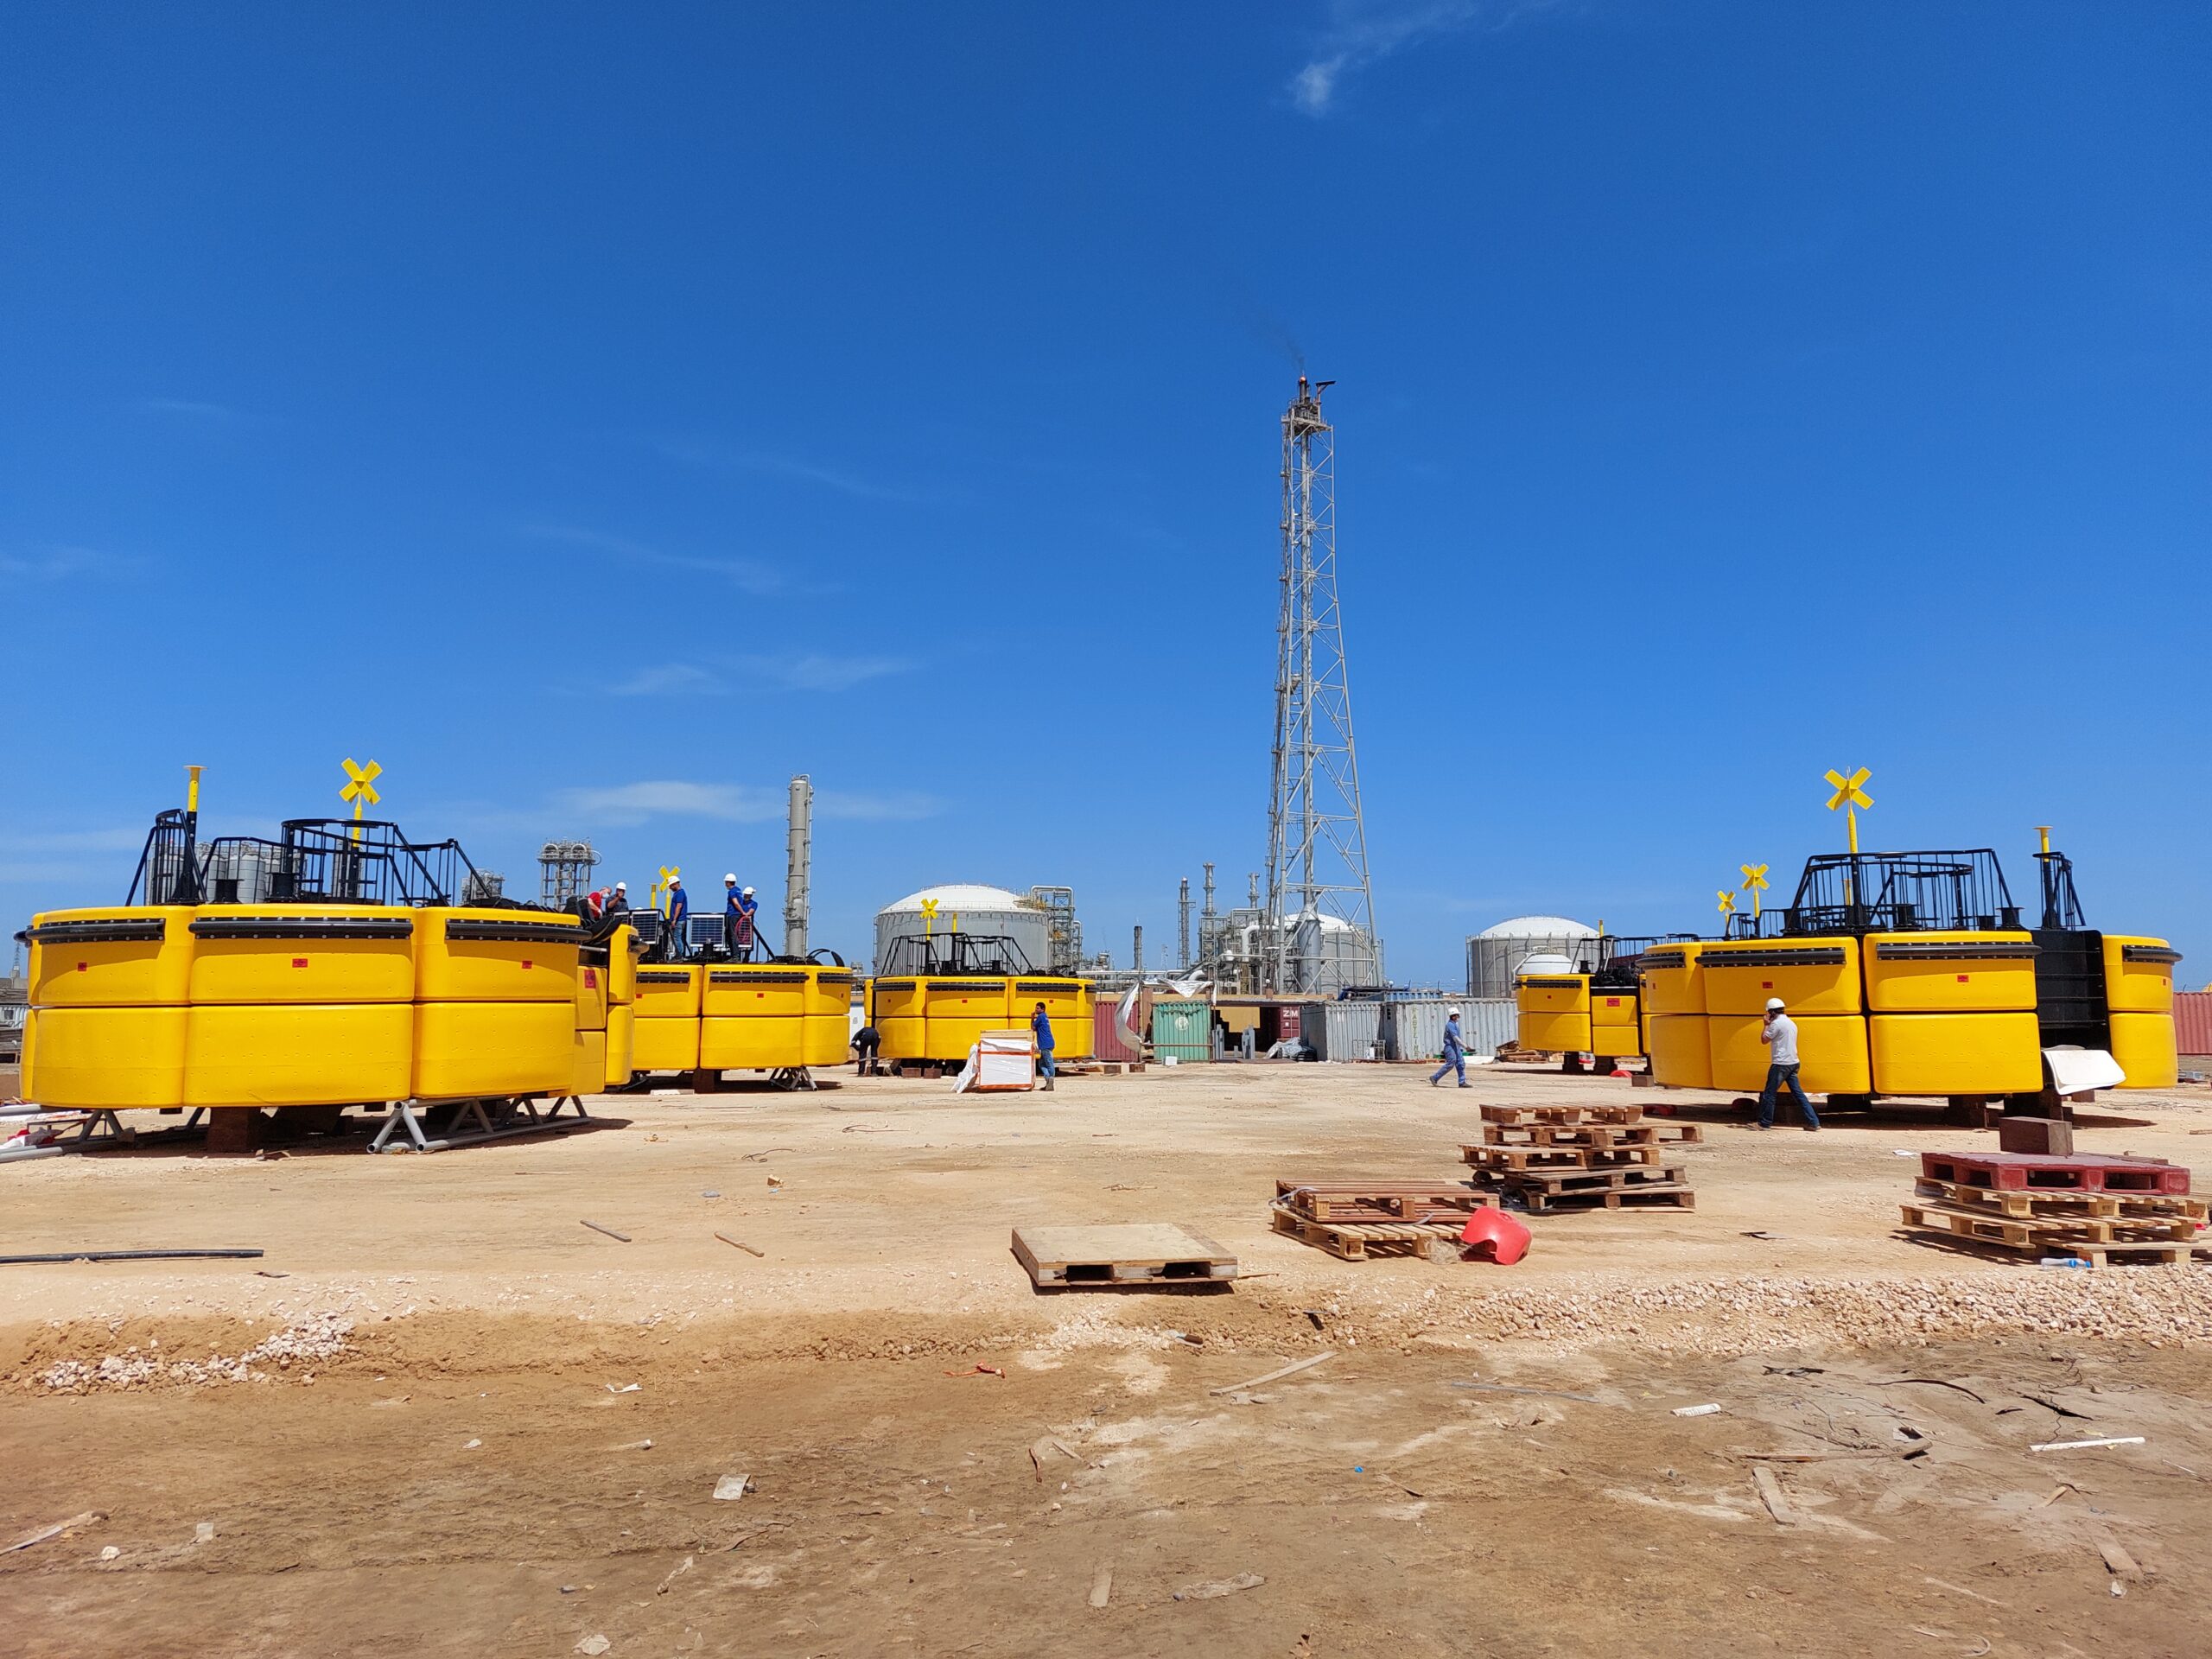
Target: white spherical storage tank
968, 907
1496, 954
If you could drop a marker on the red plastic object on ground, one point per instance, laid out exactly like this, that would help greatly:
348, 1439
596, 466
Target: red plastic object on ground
1505, 1240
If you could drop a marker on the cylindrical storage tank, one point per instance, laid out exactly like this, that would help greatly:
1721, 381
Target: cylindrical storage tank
130, 956
1949, 973
826, 1037
1614, 1028
621, 1022
2145, 1047
1681, 1055
1345, 1031
1670, 978
1831, 1047
2138, 974
957, 1011
1811, 975
1956, 1053
1413, 1028
966, 907
1067, 1005
1182, 1031
1495, 956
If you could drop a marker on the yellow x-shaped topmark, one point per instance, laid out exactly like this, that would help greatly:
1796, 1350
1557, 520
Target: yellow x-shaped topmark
1849, 789
669, 872
929, 907
363, 786
1754, 877
1727, 902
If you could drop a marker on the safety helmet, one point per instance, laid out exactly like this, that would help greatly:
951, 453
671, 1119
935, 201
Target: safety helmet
1774, 1005
748, 892
729, 880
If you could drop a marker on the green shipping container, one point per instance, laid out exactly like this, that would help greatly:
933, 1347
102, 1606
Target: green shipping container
1182, 1032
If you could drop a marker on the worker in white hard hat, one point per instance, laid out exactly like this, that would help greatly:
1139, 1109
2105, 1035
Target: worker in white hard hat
739, 913
679, 911
1455, 1051
619, 900
1779, 1034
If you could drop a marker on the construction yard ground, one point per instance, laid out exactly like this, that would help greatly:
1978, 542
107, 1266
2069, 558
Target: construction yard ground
441, 1416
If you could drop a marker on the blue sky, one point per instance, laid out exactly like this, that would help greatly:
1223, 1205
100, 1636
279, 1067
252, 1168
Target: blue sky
597, 417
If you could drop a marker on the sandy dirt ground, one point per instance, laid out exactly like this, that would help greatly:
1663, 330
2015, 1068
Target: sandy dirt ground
411, 1426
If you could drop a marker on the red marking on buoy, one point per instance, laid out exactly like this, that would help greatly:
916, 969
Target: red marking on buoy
591, 978
299, 962
1766, 984
1963, 979
526, 963
83, 966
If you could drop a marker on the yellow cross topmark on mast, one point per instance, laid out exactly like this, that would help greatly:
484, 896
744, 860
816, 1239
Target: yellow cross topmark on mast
362, 788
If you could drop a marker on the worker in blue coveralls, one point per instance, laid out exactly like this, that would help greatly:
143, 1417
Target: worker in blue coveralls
1042, 1023
1455, 1053
679, 907
738, 928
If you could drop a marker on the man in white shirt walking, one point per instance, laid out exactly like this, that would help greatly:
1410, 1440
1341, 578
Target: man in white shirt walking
1779, 1034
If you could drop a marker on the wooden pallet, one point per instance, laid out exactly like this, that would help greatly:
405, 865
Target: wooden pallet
1591, 1135
1342, 1200
2020, 1232
2032, 1171
2038, 1203
1357, 1241
1061, 1258
1658, 1196
1520, 1158
1524, 1115
2125, 1252
1599, 1180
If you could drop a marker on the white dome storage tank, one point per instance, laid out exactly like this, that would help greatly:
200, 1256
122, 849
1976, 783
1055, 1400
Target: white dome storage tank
971, 908
1494, 955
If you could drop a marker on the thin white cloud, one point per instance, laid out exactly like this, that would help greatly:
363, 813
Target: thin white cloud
701, 452
839, 804
815, 672
1361, 33
672, 680
629, 804
58, 564
747, 576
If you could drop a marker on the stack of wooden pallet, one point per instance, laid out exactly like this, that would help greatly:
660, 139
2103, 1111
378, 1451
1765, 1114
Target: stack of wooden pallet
1582, 1157
2077, 1207
1357, 1219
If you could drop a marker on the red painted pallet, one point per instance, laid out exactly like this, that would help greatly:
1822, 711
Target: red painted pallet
2029, 1172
